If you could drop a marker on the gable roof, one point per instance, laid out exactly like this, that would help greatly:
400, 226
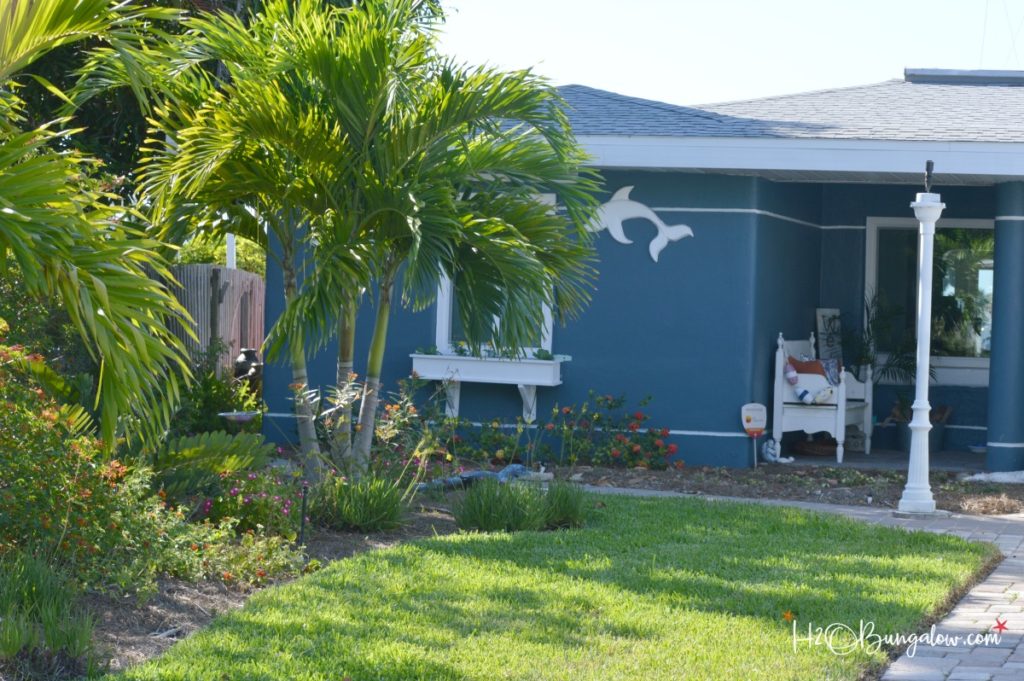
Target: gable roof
928, 105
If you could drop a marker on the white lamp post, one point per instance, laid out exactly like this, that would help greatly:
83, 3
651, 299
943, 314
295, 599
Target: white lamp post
917, 495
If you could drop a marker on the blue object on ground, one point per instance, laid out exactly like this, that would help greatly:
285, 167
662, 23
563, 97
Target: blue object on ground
509, 472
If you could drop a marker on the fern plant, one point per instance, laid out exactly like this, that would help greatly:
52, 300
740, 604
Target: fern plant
186, 466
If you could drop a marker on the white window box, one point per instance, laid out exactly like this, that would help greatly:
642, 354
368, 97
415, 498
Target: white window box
525, 373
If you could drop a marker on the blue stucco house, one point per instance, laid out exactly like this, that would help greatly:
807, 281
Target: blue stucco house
794, 203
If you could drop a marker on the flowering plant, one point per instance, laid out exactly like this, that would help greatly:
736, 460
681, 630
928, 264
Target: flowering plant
267, 502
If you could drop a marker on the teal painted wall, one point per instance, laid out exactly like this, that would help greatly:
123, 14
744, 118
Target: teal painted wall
695, 331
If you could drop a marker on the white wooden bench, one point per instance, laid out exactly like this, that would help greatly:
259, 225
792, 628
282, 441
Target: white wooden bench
850, 403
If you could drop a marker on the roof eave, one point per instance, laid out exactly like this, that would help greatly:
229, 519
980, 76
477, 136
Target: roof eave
1000, 161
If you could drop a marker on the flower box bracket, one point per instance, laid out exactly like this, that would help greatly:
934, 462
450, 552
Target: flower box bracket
527, 374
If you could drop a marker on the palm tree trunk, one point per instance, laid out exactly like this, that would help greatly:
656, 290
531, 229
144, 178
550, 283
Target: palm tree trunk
371, 388
309, 447
341, 442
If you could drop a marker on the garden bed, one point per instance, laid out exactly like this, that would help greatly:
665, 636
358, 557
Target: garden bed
811, 483
129, 632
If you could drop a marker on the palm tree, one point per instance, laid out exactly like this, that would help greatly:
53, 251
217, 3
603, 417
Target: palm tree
66, 232
401, 167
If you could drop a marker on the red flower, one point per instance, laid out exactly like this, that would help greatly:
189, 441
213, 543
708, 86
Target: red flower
615, 453
550, 426
659, 443
634, 426
639, 416
664, 432
673, 448
620, 437
566, 410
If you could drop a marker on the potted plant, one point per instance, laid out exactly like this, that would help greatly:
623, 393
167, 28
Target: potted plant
901, 415
860, 345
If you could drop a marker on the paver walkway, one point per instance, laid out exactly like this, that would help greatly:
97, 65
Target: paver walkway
1000, 596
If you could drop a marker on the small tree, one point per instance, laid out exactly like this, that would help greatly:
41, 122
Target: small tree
347, 123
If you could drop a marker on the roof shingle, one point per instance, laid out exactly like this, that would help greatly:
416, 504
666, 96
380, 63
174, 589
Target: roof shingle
892, 110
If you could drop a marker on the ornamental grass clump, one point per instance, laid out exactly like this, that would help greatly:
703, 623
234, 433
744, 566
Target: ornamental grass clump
371, 504
564, 505
489, 506
43, 633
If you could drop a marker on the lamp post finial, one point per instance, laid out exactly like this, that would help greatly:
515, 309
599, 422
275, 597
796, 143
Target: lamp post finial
929, 166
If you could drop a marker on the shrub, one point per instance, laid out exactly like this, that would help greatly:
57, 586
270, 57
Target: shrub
209, 395
265, 502
489, 506
600, 431
564, 505
58, 498
42, 631
99, 520
207, 249
369, 505
215, 551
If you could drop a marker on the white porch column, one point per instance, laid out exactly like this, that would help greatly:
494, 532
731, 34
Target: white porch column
917, 495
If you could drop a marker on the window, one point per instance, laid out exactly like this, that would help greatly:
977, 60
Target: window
961, 288
449, 329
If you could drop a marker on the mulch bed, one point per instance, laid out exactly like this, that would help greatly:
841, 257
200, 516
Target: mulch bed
129, 632
810, 483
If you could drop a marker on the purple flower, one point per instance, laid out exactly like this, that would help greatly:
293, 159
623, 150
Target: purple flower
284, 511
247, 500
233, 492
252, 476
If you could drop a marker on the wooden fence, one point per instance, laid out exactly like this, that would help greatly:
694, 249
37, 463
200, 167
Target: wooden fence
225, 303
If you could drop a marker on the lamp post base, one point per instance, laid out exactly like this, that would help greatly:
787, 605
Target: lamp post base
916, 505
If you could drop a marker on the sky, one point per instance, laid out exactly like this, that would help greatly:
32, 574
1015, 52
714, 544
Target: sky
703, 51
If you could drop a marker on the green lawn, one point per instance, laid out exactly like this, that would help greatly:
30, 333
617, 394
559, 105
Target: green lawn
650, 589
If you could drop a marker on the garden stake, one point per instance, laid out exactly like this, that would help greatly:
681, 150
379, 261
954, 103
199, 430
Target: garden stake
302, 521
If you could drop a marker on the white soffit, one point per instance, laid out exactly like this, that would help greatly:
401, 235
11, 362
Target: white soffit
812, 160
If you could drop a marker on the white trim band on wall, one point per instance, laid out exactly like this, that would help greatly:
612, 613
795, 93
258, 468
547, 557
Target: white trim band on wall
672, 431
1006, 445
752, 211
1010, 218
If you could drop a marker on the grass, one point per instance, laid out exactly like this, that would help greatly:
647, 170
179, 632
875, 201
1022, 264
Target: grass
649, 589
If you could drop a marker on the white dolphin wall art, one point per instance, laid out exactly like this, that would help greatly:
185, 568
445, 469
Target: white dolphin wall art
620, 208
